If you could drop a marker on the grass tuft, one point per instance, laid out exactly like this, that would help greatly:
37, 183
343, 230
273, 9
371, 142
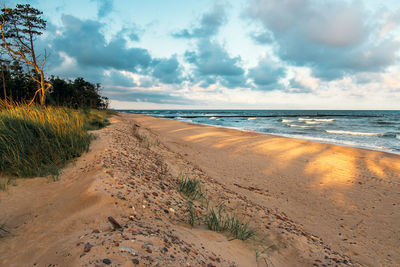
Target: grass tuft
190, 187
194, 215
216, 218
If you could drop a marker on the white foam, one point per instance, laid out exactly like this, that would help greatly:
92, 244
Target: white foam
317, 120
298, 126
285, 121
213, 118
324, 120
302, 119
250, 119
353, 133
398, 136
312, 122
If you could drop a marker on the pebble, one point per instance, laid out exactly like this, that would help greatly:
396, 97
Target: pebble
106, 261
87, 247
135, 261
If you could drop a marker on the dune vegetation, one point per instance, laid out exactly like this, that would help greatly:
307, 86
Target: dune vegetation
38, 141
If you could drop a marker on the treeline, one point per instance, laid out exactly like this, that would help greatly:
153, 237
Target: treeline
22, 67
17, 86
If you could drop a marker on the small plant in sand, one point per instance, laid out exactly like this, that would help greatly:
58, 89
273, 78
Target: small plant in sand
264, 254
143, 139
3, 231
215, 218
194, 215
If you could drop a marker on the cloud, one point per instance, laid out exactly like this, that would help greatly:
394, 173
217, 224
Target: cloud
84, 41
209, 24
105, 7
137, 95
212, 61
332, 38
119, 78
266, 75
167, 70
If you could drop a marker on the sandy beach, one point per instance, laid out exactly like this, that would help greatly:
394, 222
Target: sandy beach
311, 204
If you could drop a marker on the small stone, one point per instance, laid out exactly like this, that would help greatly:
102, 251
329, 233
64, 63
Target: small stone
87, 247
155, 194
114, 223
135, 261
107, 261
149, 250
96, 231
166, 211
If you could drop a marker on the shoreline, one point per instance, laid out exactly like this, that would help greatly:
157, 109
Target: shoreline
311, 139
310, 203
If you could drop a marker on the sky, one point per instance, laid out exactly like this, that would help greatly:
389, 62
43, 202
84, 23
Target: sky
238, 54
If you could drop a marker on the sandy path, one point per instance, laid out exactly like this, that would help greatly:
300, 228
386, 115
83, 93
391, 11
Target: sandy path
348, 197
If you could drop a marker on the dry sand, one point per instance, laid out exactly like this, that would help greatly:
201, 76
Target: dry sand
310, 203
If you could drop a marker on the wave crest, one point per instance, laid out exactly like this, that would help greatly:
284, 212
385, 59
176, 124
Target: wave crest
353, 133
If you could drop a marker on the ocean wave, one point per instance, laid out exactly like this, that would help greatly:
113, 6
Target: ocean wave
299, 126
312, 122
286, 121
250, 119
316, 120
213, 118
398, 136
384, 122
353, 133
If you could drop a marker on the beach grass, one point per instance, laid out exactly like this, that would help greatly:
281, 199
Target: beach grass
39, 141
190, 187
215, 218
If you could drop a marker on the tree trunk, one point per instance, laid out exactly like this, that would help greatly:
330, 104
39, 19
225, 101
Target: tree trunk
4, 82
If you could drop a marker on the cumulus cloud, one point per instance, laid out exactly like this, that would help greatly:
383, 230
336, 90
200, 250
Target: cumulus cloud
209, 24
167, 70
332, 38
79, 49
212, 61
84, 41
266, 74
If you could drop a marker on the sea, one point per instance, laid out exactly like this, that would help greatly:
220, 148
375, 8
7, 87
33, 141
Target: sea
370, 129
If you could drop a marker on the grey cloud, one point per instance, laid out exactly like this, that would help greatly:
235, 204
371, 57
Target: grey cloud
116, 78
296, 87
209, 24
167, 70
264, 37
134, 95
266, 75
84, 41
333, 38
211, 60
